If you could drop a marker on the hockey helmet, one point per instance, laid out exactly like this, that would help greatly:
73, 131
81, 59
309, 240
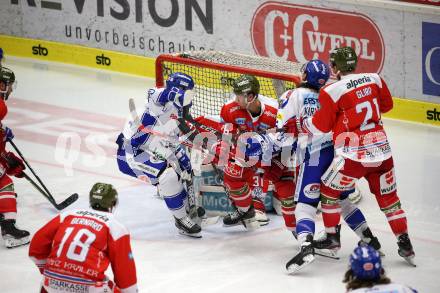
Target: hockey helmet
180, 80
7, 78
317, 73
246, 84
365, 263
7, 75
103, 196
1, 54
344, 59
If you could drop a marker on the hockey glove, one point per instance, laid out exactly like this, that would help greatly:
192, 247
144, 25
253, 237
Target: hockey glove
257, 145
7, 133
183, 99
170, 95
294, 125
184, 163
14, 165
120, 140
274, 171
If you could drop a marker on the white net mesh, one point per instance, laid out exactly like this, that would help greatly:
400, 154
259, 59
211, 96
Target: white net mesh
214, 72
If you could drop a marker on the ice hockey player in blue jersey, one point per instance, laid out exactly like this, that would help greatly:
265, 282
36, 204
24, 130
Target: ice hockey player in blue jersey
366, 274
151, 151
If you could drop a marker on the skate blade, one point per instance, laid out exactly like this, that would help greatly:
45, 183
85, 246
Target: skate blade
410, 260
263, 222
11, 242
208, 221
251, 224
295, 268
233, 225
333, 254
192, 235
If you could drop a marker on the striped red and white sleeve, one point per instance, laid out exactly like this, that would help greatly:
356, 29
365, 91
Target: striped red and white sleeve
121, 259
385, 98
325, 118
41, 243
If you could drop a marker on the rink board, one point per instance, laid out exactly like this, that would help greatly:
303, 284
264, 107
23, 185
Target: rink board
404, 109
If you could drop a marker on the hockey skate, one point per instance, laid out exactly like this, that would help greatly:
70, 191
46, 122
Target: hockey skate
405, 249
329, 244
295, 235
198, 215
187, 227
247, 219
261, 217
369, 239
304, 257
13, 236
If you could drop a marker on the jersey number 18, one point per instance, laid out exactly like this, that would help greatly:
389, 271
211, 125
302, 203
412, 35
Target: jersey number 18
79, 247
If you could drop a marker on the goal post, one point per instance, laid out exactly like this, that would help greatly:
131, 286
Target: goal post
214, 71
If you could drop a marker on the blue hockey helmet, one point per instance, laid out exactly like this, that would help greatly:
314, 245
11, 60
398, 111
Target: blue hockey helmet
365, 263
317, 73
180, 80
1, 53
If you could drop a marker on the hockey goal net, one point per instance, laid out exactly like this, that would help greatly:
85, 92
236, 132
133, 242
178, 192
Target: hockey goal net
214, 71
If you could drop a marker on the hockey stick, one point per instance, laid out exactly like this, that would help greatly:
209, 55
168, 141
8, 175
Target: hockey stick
138, 126
68, 201
220, 175
196, 211
216, 170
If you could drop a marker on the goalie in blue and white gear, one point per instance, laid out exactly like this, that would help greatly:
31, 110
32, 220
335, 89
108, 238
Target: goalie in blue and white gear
366, 274
151, 151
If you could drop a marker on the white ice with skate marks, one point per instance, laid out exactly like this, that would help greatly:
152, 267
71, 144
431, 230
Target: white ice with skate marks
230, 260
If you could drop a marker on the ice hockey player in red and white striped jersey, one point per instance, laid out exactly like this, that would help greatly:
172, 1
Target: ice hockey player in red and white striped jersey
74, 249
351, 108
10, 165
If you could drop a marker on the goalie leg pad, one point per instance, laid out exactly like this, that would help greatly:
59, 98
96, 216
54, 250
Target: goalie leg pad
173, 192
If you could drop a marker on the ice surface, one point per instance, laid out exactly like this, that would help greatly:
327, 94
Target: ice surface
52, 99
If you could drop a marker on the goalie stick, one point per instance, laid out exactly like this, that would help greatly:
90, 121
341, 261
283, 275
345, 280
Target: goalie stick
44, 191
194, 211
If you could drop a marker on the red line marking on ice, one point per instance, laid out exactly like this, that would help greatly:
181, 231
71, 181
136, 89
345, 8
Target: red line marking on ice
412, 237
44, 123
89, 172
